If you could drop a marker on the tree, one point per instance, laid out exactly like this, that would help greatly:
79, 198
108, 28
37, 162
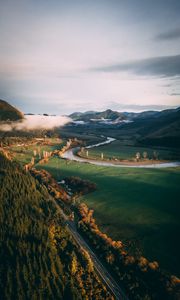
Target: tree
138, 156
70, 292
145, 155
74, 266
155, 154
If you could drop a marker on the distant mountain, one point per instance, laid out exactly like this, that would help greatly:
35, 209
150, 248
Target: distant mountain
75, 115
162, 129
93, 116
112, 115
158, 128
142, 115
9, 112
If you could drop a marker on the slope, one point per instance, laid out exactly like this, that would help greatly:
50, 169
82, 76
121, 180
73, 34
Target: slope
40, 259
9, 112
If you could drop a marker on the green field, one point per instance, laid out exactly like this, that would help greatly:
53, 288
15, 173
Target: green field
137, 205
117, 150
23, 154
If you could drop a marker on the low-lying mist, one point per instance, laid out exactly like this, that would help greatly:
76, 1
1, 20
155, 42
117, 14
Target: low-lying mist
33, 122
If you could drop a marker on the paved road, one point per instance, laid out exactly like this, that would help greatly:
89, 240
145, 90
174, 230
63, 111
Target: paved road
111, 284
71, 155
100, 269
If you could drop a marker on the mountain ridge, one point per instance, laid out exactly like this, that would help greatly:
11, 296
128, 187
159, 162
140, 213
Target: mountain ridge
95, 115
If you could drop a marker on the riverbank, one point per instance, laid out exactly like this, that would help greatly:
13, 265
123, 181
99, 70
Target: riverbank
74, 154
122, 161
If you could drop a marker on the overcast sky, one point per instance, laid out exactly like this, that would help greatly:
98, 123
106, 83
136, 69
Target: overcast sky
75, 55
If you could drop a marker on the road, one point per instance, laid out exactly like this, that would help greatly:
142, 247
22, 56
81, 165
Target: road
107, 279
98, 266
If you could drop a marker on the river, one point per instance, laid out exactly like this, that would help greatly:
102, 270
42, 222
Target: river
71, 155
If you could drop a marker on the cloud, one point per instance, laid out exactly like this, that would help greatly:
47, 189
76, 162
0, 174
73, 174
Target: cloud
170, 35
163, 66
32, 122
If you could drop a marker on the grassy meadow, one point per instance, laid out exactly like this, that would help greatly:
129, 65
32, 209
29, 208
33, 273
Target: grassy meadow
23, 154
139, 206
117, 150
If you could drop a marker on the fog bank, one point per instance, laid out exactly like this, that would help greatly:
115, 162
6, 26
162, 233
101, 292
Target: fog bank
32, 122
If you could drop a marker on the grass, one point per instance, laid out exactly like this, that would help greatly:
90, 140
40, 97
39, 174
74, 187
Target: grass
139, 205
23, 154
120, 151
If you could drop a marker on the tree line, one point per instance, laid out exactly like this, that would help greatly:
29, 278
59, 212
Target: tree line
140, 278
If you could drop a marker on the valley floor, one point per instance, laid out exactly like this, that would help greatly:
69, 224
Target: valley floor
138, 206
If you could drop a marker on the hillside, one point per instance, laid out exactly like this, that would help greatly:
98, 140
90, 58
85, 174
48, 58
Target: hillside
40, 258
162, 129
9, 112
142, 115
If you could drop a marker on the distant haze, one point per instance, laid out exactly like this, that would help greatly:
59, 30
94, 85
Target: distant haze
62, 56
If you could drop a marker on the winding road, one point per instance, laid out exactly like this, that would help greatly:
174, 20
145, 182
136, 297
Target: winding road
106, 278
71, 155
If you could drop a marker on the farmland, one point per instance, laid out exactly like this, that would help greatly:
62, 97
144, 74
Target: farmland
24, 153
118, 150
137, 206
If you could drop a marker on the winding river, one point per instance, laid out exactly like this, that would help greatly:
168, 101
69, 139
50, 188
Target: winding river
71, 155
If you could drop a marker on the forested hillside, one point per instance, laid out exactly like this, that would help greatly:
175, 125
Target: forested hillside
39, 259
9, 112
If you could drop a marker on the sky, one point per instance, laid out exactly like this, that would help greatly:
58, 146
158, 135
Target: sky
59, 56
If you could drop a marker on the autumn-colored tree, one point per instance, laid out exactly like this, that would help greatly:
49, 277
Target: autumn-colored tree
74, 266
138, 156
